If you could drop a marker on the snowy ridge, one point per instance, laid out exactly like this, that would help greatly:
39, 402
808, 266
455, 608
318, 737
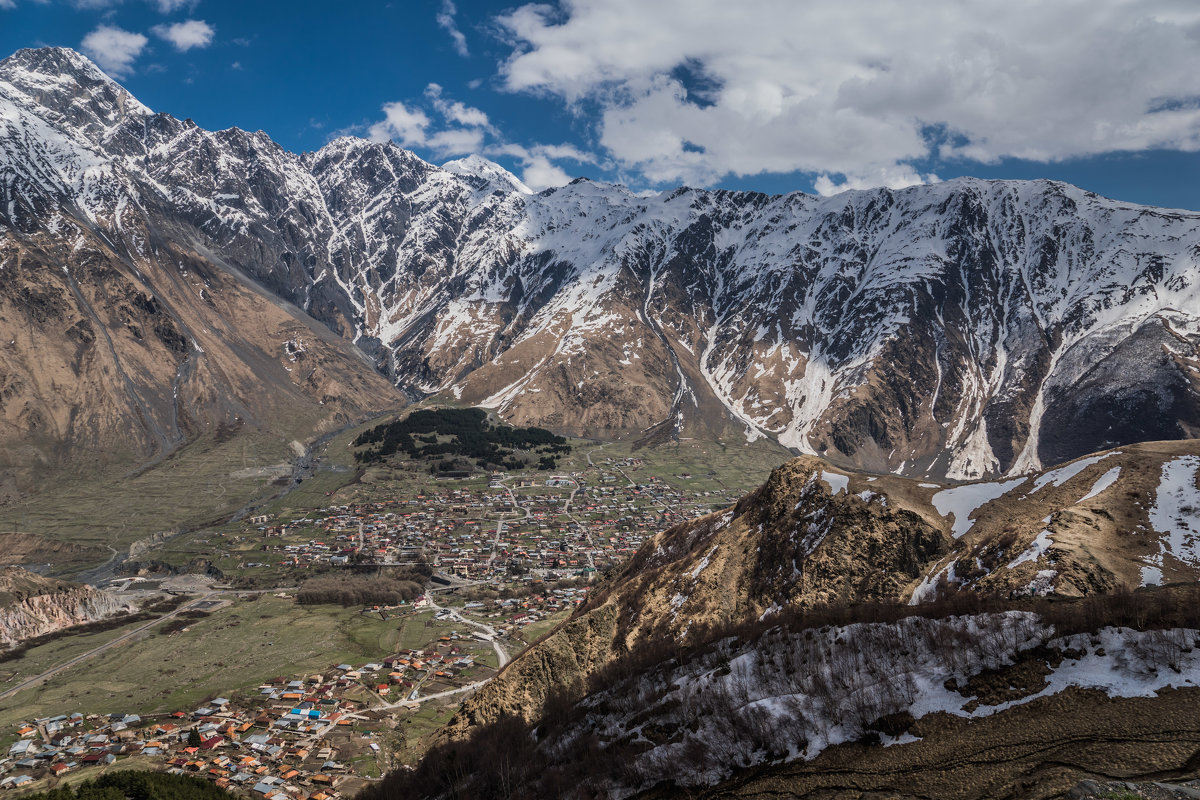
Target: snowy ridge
964, 329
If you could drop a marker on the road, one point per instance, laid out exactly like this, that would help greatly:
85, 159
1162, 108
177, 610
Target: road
50, 673
470, 687
490, 632
512, 498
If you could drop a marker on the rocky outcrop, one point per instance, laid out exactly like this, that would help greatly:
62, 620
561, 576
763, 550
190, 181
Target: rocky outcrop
817, 536
32, 606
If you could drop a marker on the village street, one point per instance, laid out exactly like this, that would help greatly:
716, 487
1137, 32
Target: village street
490, 633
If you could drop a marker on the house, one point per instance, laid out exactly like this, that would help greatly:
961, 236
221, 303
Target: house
23, 747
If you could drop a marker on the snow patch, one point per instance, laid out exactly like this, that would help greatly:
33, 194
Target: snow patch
962, 501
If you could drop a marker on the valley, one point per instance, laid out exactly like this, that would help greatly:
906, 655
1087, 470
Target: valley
510, 557
341, 473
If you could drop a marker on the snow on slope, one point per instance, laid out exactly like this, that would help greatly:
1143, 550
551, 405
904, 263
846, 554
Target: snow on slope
791, 695
1003, 324
1176, 516
962, 501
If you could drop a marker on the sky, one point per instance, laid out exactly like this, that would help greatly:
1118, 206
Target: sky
769, 95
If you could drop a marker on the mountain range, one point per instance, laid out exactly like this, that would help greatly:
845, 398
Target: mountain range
158, 280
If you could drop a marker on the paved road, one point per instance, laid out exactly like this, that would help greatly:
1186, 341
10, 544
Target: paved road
50, 673
490, 632
470, 687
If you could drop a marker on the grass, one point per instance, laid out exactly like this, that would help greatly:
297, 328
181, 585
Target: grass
536, 630
233, 649
103, 505
420, 629
419, 728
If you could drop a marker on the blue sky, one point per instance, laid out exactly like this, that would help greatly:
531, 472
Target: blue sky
770, 95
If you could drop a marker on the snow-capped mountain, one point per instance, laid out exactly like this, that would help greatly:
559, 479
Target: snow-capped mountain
125, 331
963, 329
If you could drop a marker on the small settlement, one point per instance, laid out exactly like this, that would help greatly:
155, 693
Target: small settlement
301, 738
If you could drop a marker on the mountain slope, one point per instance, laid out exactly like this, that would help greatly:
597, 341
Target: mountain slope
959, 330
124, 334
814, 537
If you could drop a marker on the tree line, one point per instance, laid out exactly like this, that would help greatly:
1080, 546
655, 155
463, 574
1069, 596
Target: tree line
131, 785
360, 590
560, 753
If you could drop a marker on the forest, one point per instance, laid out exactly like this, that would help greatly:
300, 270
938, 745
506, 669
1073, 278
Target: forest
361, 590
450, 434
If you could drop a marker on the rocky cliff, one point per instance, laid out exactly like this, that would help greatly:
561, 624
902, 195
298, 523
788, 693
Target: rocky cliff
31, 605
815, 536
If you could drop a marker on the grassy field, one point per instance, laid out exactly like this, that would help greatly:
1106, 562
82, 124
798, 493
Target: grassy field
193, 487
536, 630
234, 648
417, 729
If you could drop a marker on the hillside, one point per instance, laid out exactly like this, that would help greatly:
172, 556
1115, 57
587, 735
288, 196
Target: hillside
773, 647
814, 537
138, 364
31, 605
963, 329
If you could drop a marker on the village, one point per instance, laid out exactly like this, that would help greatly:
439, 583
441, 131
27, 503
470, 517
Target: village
508, 557
309, 737
531, 529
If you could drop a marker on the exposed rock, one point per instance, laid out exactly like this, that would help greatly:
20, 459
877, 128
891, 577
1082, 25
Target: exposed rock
31, 605
962, 329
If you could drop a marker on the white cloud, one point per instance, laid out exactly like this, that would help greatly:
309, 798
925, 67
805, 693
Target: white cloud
8, 5
463, 129
169, 6
539, 171
404, 125
898, 177
455, 111
114, 49
186, 35
694, 90
452, 128
445, 20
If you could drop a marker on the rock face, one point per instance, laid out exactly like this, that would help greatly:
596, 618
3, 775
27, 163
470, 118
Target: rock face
31, 605
814, 535
964, 329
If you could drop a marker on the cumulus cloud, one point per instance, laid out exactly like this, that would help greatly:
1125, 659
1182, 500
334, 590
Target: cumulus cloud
459, 130
406, 126
861, 93
114, 49
454, 111
537, 161
898, 177
445, 20
186, 35
444, 127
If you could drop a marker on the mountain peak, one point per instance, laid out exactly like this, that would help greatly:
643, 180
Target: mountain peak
490, 171
54, 77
